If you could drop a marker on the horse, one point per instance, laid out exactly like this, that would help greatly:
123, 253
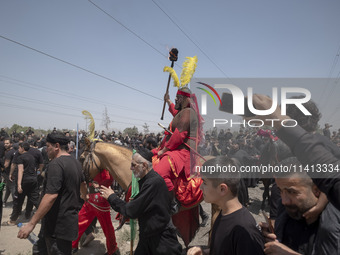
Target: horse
114, 158
117, 160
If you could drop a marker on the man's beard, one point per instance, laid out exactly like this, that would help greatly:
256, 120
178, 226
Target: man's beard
178, 107
294, 212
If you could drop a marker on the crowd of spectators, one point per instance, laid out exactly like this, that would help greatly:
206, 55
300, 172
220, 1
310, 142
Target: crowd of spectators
246, 145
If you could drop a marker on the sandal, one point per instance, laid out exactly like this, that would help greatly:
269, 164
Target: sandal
9, 223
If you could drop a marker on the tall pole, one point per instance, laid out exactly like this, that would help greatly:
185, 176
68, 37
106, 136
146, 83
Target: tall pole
173, 56
77, 148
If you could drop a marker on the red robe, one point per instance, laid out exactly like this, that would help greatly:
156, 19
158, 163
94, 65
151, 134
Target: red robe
176, 167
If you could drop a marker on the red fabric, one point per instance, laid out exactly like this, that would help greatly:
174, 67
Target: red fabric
187, 223
86, 216
174, 167
267, 133
194, 106
189, 192
172, 109
180, 92
103, 178
89, 212
176, 139
163, 168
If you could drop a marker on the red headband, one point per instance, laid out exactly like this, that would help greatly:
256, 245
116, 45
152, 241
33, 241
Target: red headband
179, 92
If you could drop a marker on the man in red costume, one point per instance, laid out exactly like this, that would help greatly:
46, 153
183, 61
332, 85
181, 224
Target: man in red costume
175, 160
96, 206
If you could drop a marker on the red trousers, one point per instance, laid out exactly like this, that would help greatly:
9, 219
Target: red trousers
86, 216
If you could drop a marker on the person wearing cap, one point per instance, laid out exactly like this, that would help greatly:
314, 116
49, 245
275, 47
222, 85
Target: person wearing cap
60, 202
151, 207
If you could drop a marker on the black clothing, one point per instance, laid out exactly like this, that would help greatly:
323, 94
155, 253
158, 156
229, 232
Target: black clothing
245, 160
242, 156
29, 189
27, 160
252, 151
165, 243
29, 186
63, 177
4, 133
9, 155
295, 234
37, 157
10, 186
228, 135
275, 202
320, 237
312, 149
236, 233
152, 208
2, 152
57, 246
327, 133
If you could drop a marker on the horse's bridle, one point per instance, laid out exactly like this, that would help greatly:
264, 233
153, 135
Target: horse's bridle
89, 159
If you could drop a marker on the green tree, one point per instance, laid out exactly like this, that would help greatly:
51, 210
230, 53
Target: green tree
131, 131
17, 128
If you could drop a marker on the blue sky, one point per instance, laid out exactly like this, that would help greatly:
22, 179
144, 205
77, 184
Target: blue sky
234, 38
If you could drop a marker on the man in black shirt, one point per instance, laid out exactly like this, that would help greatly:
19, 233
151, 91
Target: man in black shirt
26, 183
39, 165
151, 206
294, 232
234, 231
310, 149
60, 203
326, 131
9, 155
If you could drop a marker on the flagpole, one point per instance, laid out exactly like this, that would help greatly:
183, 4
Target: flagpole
77, 146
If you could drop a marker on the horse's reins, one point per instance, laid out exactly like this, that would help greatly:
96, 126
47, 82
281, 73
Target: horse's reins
89, 158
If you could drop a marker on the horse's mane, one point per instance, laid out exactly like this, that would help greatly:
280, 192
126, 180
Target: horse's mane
124, 151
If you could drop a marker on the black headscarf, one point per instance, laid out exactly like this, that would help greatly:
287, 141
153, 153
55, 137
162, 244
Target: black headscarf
145, 153
57, 137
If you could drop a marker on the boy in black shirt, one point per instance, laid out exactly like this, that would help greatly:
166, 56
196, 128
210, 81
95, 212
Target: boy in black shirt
234, 231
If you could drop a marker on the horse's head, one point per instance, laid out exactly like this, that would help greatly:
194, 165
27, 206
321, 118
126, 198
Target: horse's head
89, 161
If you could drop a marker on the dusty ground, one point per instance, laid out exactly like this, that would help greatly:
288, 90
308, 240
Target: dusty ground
11, 245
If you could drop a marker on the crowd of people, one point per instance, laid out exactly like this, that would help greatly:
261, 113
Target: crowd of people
305, 215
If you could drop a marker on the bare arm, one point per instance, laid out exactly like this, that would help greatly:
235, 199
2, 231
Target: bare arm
13, 165
6, 164
83, 191
313, 213
45, 205
41, 167
167, 99
196, 250
278, 248
20, 174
